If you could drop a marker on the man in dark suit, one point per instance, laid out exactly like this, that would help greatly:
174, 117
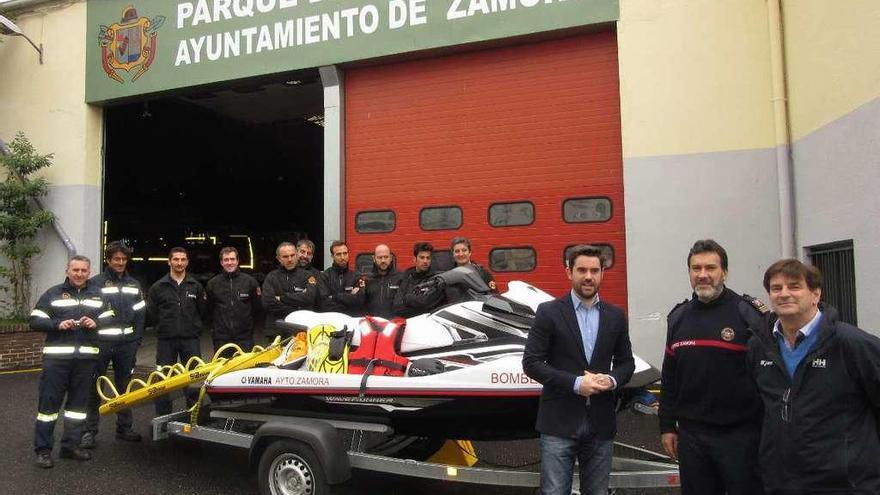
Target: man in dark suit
572, 347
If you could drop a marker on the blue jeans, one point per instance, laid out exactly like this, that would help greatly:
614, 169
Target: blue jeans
557, 463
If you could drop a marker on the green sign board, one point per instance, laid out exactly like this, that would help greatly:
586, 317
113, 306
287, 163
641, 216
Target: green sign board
144, 47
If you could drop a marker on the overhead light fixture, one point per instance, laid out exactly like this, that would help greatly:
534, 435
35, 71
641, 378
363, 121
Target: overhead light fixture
9, 28
318, 120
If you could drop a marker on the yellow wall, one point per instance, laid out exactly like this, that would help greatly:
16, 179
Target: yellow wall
833, 59
694, 76
46, 101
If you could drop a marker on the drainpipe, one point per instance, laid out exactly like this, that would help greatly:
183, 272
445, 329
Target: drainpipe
784, 164
65, 239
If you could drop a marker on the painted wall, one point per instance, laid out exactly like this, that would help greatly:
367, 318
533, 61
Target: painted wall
698, 142
834, 97
698, 139
46, 103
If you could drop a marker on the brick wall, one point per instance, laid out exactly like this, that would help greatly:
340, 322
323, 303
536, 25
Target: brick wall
20, 347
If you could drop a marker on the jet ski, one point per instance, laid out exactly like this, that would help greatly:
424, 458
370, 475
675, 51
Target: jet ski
452, 373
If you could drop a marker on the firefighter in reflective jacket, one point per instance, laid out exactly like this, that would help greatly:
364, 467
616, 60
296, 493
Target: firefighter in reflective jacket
119, 343
70, 314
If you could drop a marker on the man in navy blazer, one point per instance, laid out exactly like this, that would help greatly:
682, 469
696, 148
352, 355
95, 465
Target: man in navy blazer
579, 350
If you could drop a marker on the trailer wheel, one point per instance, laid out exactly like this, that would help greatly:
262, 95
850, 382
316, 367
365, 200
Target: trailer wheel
288, 467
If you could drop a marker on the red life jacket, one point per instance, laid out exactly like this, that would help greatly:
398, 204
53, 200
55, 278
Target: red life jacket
377, 352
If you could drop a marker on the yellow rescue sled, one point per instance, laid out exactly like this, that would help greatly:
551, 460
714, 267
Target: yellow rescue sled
167, 379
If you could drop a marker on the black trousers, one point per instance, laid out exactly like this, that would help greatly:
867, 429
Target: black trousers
167, 353
719, 459
123, 355
73, 378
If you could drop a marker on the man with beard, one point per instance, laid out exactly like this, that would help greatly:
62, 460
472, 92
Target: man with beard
414, 297
305, 251
338, 287
233, 300
579, 350
382, 284
710, 411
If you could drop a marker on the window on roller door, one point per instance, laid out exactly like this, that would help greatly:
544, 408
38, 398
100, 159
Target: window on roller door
587, 210
511, 214
513, 259
363, 263
372, 222
440, 218
607, 253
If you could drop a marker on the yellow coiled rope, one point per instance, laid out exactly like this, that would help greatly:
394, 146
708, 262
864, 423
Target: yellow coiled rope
167, 379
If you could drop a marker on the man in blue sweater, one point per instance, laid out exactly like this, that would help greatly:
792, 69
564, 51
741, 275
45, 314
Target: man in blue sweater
819, 380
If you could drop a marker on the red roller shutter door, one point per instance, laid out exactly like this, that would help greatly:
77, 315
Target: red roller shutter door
537, 122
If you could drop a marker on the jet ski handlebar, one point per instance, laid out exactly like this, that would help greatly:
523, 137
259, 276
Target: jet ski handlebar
466, 276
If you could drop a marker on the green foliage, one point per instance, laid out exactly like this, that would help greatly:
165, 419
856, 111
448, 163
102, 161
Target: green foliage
20, 221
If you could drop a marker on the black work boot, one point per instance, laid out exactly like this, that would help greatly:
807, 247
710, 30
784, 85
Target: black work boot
76, 454
128, 436
44, 460
87, 441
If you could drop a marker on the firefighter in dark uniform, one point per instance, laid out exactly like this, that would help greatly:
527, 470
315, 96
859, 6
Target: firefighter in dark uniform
177, 304
340, 289
70, 314
382, 284
119, 343
287, 289
233, 300
415, 297
305, 251
710, 409
461, 253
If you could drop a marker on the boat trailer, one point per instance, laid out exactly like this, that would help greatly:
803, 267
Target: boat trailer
303, 456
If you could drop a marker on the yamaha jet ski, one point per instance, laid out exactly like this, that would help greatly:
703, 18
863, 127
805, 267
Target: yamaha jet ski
453, 373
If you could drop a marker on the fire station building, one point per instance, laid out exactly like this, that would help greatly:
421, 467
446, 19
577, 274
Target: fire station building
527, 126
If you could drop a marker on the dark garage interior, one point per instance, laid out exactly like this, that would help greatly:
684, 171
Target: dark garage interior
240, 165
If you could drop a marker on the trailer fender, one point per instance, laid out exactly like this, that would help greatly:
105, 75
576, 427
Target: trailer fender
320, 436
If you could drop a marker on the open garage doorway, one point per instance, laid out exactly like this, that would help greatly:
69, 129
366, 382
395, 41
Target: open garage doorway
240, 165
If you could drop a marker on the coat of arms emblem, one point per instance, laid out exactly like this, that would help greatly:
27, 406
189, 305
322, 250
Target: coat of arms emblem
129, 45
